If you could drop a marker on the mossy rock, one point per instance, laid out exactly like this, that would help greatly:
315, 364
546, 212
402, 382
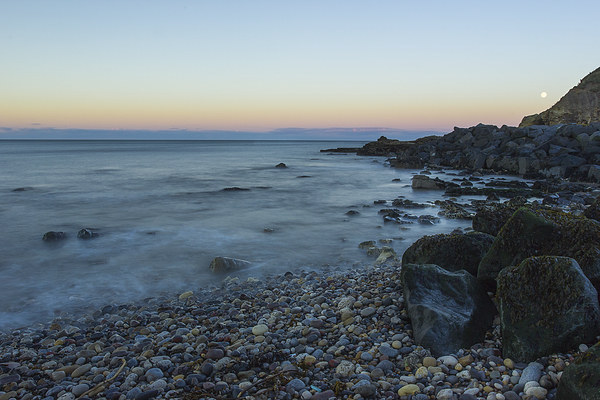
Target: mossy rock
448, 310
452, 252
492, 217
533, 232
546, 305
581, 379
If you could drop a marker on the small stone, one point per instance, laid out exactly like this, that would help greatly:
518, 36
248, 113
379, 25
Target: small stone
153, 374
466, 360
536, 391
508, 363
367, 312
80, 389
532, 372
186, 295
445, 394
296, 384
421, 373
82, 370
345, 369
365, 388
408, 390
396, 344
215, 354
429, 362
583, 348
448, 361
260, 330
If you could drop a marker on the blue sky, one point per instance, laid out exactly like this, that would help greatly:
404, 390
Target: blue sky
264, 65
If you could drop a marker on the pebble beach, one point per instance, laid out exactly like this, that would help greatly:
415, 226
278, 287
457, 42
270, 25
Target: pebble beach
302, 335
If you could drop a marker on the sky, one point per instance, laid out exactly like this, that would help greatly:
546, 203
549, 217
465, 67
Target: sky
260, 66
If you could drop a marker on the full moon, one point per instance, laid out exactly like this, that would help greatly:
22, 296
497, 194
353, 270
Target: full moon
543, 95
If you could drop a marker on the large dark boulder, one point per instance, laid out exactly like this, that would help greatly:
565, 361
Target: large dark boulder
448, 310
53, 236
452, 252
532, 232
581, 379
546, 305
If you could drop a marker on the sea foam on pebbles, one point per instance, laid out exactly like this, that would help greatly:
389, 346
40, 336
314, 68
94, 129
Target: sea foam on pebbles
307, 335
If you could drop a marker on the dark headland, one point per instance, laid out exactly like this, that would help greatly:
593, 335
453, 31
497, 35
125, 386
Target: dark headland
508, 310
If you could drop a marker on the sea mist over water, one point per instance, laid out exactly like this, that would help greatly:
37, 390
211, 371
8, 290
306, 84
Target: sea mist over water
162, 215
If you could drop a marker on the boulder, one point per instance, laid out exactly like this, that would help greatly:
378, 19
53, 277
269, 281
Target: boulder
86, 234
227, 264
425, 182
452, 252
547, 305
532, 232
52, 236
448, 310
281, 165
581, 379
491, 217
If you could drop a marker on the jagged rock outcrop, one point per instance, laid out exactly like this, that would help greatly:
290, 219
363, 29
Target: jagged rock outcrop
581, 105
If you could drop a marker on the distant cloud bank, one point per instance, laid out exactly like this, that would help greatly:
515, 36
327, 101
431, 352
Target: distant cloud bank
345, 134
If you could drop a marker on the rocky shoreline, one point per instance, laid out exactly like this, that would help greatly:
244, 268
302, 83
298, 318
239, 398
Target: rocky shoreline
567, 151
508, 311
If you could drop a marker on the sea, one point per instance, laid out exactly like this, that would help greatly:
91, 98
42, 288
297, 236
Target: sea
164, 209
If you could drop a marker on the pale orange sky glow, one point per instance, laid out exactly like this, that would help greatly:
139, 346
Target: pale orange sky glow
269, 65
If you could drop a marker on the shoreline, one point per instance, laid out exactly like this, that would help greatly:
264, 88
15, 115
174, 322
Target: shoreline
327, 334
308, 334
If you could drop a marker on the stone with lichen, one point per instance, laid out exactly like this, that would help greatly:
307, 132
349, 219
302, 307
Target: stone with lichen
452, 252
546, 305
535, 232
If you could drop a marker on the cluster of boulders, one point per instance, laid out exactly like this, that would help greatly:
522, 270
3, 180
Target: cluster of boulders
85, 234
563, 151
541, 266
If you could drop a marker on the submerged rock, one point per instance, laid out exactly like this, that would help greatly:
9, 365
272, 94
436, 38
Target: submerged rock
52, 236
87, 233
546, 305
452, 252
448, 310
543, 232
281, 165
227, 264
581, 379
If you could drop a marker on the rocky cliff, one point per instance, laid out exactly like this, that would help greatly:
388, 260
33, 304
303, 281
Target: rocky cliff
581, 105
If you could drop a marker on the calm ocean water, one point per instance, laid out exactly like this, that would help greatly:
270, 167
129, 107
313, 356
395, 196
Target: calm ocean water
162, 216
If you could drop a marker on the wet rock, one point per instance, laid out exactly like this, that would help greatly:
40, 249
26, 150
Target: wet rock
425, 182
235, 189
450, 251
281, 165
86, 234
546, 305
52, 236
448, 310
227, 264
